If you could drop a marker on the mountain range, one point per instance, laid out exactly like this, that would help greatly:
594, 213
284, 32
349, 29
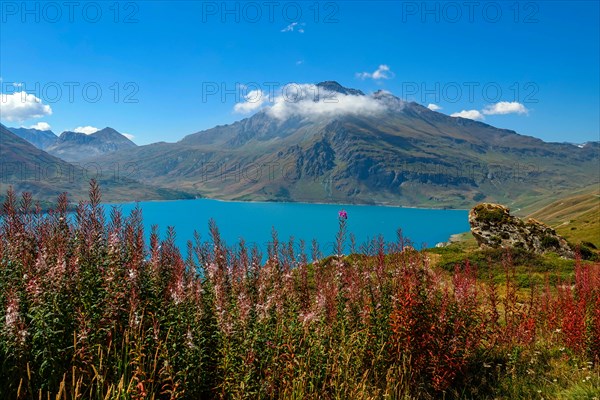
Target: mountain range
75, 146
40, 139
24, 167
344, 146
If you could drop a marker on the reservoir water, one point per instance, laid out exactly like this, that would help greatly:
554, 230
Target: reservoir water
254, 221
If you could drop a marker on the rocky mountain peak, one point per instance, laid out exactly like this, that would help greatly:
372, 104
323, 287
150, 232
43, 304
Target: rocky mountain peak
334, 86
77, 146
110, 134
392, 102
74, 136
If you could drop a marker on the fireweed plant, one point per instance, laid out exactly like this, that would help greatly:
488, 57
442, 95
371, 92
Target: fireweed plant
92, 311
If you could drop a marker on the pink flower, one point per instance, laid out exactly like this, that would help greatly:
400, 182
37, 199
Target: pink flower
342, 214
12, 318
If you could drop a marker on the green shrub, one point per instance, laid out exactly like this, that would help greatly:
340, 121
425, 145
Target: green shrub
550, 242
490, 216
589, 244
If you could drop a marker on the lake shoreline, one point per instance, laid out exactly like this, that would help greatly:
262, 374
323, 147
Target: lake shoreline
295, 202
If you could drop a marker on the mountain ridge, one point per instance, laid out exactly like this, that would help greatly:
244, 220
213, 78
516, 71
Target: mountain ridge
78, 146
389, 151
335, 144
26, 168
39, 138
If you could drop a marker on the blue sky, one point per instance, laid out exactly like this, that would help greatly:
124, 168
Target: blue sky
157, 63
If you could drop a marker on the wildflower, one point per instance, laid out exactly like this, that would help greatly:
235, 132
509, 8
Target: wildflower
176, 296
32, 287
57, 271
189, 340
13, 320
136, 319
141, 390
12, 314
307, 318
250, 357
113, 243
245, 306
340, 237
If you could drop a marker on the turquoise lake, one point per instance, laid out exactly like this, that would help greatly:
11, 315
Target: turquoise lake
254, 221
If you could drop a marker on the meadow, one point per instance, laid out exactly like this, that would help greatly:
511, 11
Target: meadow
92, 311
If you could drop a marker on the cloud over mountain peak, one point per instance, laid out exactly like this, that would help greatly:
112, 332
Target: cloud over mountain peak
327, 98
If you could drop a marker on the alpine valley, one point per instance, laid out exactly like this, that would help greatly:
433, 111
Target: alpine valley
355, 148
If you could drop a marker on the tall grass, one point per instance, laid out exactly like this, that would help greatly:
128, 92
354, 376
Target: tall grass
92, 312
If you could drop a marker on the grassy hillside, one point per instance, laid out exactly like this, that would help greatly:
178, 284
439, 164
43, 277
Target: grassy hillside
576, 217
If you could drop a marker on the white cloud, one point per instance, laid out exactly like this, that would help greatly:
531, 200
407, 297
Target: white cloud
434, 107
383, 72
254, 100
88, 130
41, 126
20, 106
505, 107
309, 100
469, 114
128, 136
294, 26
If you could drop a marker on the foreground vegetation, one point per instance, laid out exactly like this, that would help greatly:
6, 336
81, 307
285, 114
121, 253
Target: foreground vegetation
91, 312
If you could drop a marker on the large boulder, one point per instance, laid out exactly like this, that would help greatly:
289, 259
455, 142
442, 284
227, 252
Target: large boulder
493, 226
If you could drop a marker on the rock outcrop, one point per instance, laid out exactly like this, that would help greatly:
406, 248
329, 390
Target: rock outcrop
493, 226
